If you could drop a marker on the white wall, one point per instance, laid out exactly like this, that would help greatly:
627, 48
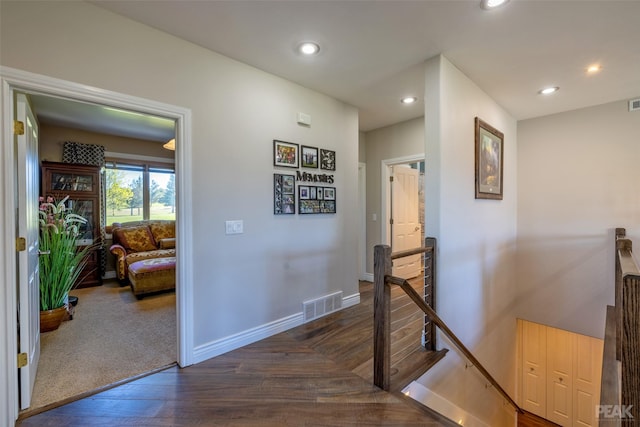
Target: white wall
240, 281
51, 141
476, 285
578, 180
390, 142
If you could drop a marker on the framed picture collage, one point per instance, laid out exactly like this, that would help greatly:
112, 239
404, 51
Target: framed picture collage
312, 199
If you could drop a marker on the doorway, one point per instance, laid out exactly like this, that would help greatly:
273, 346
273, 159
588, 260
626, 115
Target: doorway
404, 211
16, 81
112, 336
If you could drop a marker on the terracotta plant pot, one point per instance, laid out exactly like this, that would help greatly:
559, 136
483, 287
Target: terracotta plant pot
50, 320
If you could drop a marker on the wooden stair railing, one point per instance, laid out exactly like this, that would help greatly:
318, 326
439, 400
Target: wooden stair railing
620, 386
381, 313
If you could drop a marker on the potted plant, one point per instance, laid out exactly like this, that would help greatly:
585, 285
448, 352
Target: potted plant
61, 260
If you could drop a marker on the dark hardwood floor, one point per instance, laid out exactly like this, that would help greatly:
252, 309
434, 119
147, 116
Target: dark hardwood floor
318, 374
530, 420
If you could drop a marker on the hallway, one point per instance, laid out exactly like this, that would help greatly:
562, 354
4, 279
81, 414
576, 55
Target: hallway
305, 376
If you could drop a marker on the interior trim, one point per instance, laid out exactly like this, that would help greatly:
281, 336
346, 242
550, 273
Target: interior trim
14, 81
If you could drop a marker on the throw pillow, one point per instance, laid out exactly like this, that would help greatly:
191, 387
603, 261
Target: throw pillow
167, 243
163, 230
137, 239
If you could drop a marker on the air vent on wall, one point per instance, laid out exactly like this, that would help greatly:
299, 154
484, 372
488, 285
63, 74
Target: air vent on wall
634, 105
320, 306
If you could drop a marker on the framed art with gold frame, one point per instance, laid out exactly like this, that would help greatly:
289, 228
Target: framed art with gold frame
489, 143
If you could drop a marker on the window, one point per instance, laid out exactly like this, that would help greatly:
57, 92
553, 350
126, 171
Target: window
138, 190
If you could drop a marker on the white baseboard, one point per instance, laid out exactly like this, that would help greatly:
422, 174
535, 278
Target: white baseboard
109, 274
368, 277
351, 300
232, 342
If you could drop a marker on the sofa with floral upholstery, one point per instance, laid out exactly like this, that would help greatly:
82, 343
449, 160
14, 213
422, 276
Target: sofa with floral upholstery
137, 241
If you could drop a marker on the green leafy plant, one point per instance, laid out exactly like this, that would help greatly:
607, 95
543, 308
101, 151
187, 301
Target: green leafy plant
62, 260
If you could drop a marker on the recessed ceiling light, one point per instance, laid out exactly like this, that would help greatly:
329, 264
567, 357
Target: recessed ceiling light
593, 68
308, 48
549, 90
492, 4
409, 99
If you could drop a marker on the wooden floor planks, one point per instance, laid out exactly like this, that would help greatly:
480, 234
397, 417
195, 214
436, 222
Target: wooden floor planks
318, 374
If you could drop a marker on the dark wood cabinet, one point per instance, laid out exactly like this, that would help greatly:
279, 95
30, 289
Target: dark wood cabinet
82, 184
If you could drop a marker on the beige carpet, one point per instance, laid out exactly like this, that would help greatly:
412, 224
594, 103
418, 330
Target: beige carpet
113, 336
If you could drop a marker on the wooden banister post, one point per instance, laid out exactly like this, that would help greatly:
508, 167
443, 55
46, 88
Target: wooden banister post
381, 317
625, 245
630, 350
430, 291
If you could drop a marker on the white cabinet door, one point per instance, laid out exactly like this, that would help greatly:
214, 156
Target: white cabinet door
534, 356
560, 376
586, 384
561, 373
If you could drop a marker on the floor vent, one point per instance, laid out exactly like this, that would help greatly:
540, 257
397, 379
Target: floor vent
634, 105
320, 306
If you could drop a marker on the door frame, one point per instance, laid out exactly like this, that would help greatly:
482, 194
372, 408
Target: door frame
362, 237
12, 81
385, 197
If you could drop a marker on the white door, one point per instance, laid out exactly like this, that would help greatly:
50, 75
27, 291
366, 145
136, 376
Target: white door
560, 376
586, 384
27, 217
406, 227
534, 357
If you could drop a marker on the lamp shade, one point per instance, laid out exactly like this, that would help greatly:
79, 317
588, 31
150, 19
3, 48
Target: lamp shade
171, 145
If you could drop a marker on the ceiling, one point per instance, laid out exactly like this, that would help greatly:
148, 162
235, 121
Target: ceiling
373, 52
101, 119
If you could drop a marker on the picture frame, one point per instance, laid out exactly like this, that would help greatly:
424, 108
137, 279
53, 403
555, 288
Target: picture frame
309, 207
285, 154
327, 206
489, 148
329, 193
303, 192
327, 159
309, 157
312, 200
284, 194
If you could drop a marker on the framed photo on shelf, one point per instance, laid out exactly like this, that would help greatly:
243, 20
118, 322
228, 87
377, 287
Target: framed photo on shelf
489, 160
284, 194
327, 159
309, 157
285, 154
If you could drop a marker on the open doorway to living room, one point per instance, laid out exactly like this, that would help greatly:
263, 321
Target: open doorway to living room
113, 334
